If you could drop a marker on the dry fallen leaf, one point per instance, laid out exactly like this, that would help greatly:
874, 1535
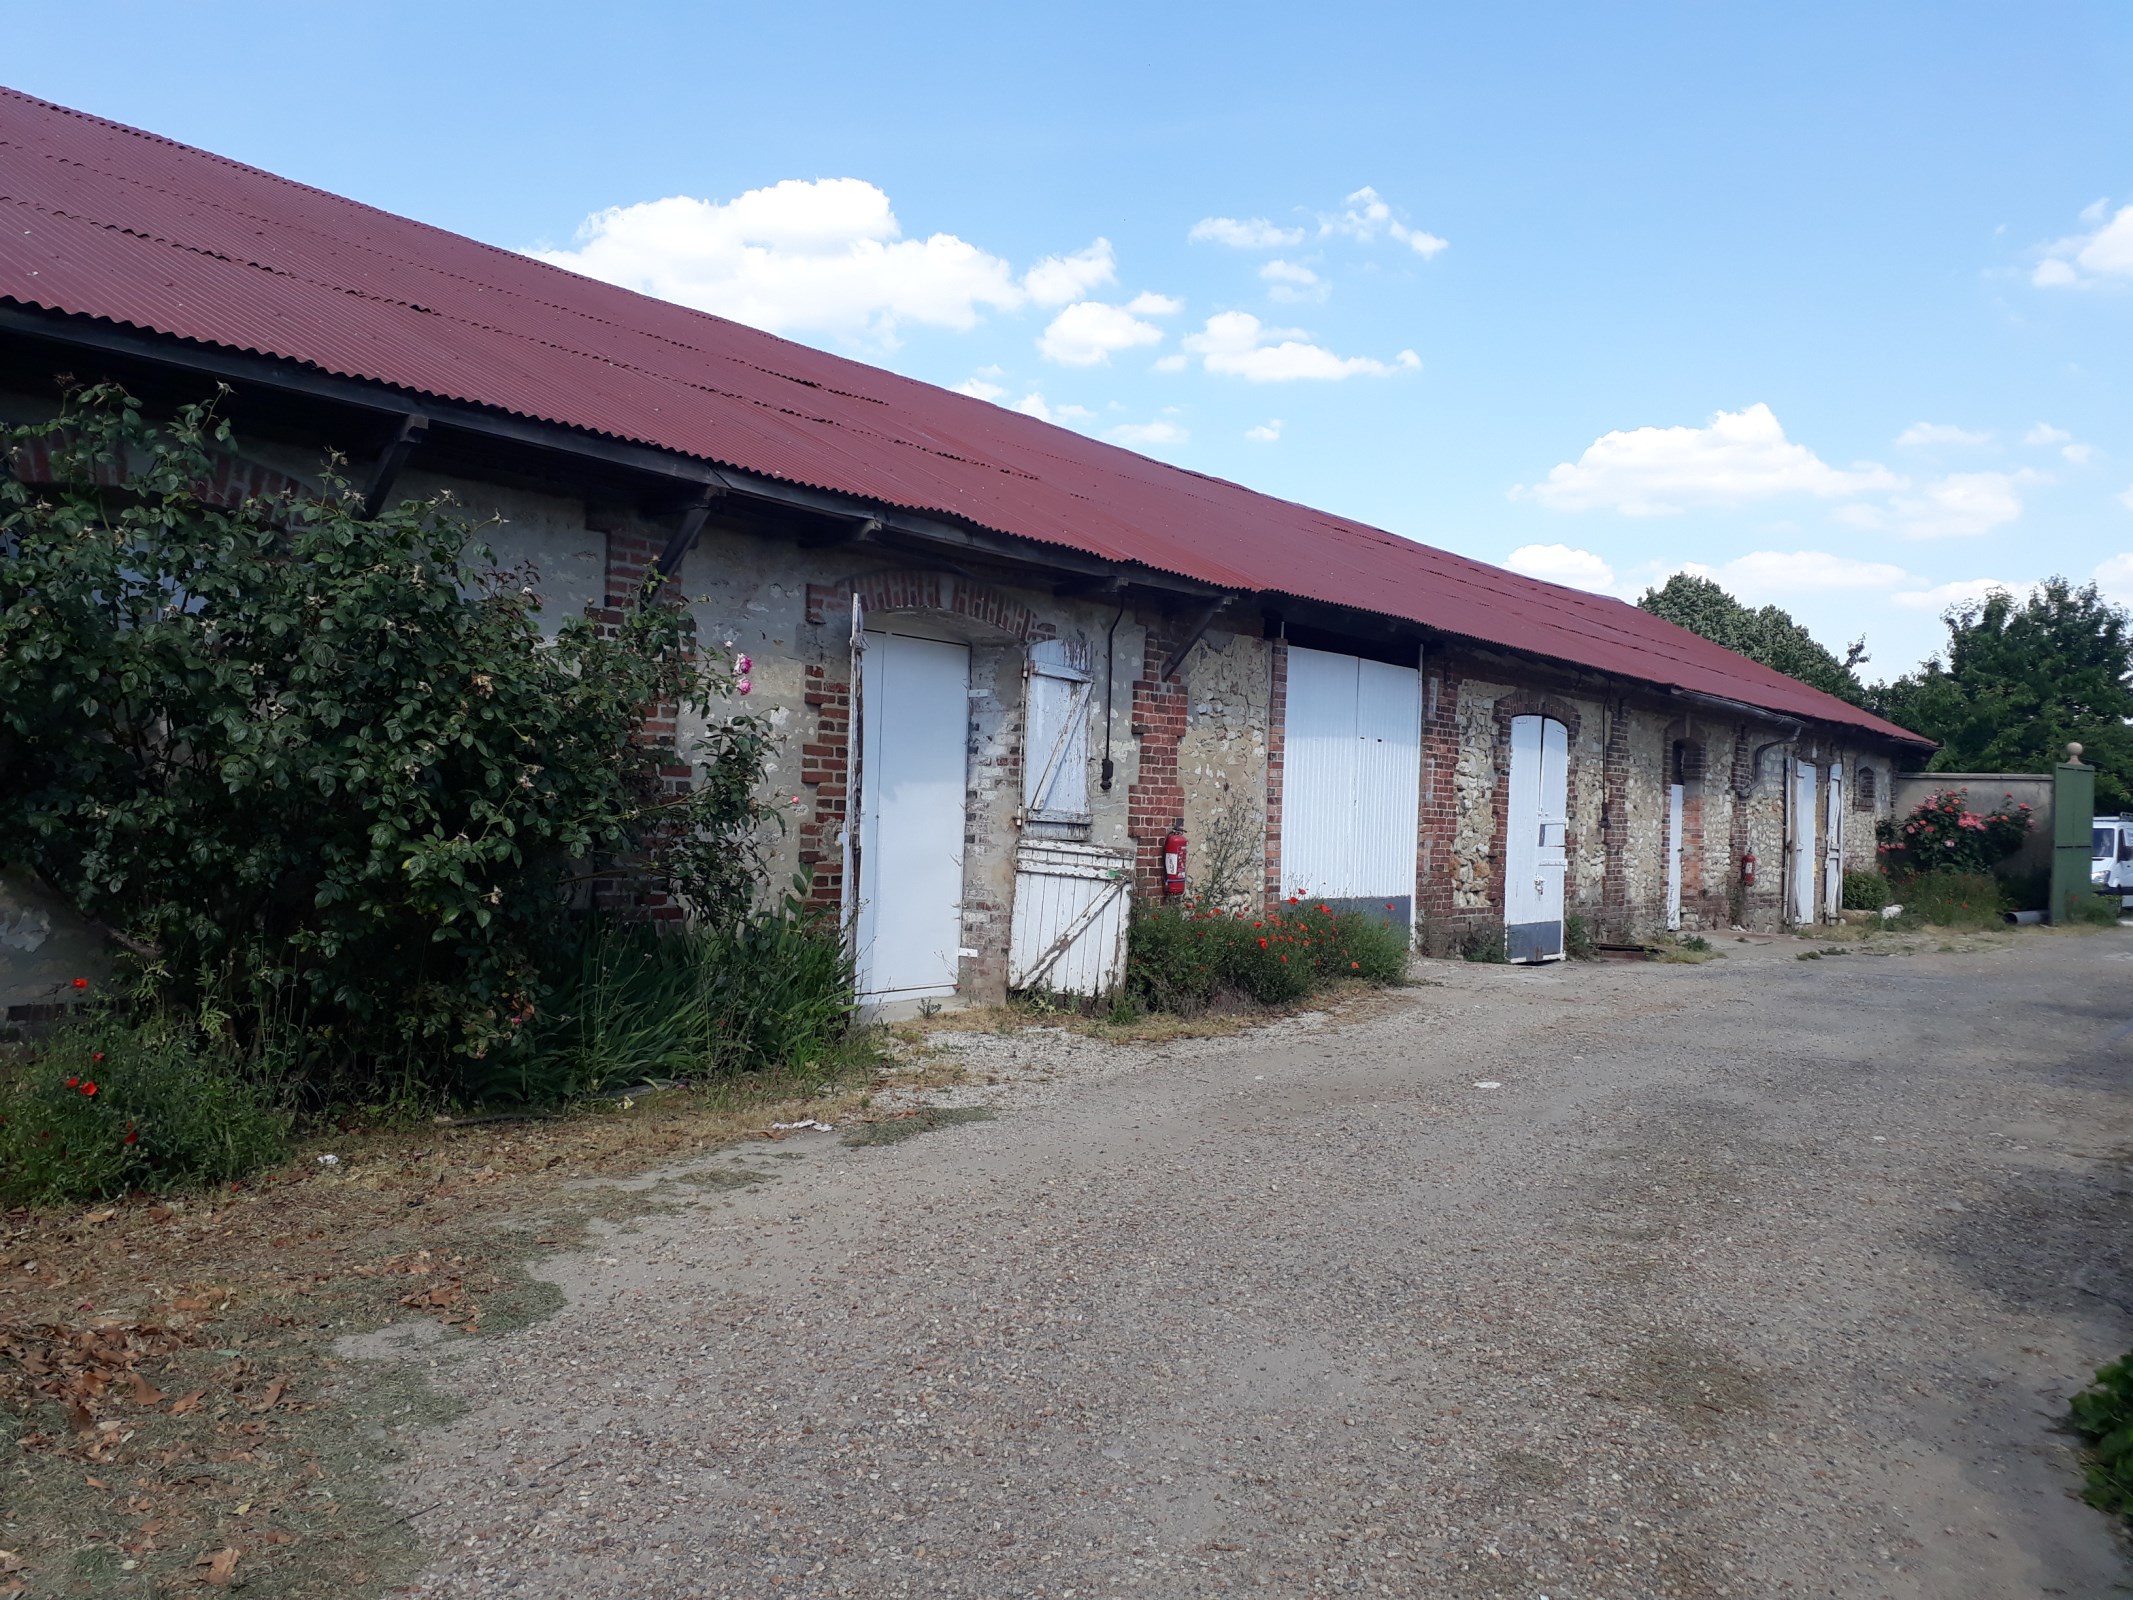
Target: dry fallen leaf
221, 1567
96, 1217
272, 1398
79, 1418
10, 1562
186, 1402
94, 1483
145, 1393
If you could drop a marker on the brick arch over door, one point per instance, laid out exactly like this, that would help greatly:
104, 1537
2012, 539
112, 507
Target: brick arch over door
990, 615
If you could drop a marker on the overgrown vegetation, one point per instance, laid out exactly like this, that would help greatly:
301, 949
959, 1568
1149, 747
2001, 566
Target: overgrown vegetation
104, 1108
1579, 941
1189, 958
2102, 1415
1953, 899
330, 785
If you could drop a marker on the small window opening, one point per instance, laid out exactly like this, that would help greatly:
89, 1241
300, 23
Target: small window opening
1863, 790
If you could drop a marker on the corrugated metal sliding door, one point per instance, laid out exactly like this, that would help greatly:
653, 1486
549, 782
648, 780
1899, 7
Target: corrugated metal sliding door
1351, 782
1069, 925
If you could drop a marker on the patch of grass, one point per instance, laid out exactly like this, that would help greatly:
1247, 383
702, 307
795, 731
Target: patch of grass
1957, 900
2094, 911
1579, 941
107, 1106
894, 1130
1485, 945
2102, 1415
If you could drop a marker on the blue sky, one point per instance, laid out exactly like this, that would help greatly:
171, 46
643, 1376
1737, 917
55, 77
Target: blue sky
1834, 302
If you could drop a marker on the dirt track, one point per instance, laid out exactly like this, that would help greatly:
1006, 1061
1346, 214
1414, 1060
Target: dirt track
1760, 1277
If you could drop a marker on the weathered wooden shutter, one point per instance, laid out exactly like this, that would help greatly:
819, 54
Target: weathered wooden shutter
1055, 741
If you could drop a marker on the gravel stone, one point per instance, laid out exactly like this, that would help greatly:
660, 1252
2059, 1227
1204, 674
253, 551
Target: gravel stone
1759, 1277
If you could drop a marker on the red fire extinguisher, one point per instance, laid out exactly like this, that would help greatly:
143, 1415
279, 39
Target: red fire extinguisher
1747, 869
1174, 859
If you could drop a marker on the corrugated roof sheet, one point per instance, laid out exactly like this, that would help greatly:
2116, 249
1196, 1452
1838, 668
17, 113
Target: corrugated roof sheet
106, 221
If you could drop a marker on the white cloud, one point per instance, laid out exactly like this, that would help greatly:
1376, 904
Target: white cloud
1057, 279
1961, 505
2083, 260
823, 256
2114, 577
2072, 450
1291, 282
1033, 405
1251, 233
1268, 432
1740, 456
1146, 433
1088, 333
1368, 215
1171, 363
1279, 271
1941, 433
1237, 344
979, 389
1154, 305
1772, 574
1943, 595
1560, 563
2125, 497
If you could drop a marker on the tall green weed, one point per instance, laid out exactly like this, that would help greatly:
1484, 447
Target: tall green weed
1188, 958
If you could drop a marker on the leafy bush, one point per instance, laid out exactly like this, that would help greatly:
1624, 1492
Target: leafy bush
2096, 910
1187, 958
292, 758
1865, 889
1952, 899
774, 992
1941, 834
102, 1107
2102, 1415
1485, 945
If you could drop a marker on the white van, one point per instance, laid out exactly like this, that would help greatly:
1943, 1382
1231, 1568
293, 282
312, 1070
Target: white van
2111, 855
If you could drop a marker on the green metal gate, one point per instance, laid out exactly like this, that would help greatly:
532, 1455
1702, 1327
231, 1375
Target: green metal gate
2073, 810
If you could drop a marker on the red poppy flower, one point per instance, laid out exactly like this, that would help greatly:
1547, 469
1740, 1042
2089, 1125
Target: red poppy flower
96, 1055
1355, 966
74, 1083
81, 983
133, 1136
1284, 959
1262, 944
88, 1088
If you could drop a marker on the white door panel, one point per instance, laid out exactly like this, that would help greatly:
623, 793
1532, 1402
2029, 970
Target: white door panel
916, 699
1802, 855
1674, 803
1536, 837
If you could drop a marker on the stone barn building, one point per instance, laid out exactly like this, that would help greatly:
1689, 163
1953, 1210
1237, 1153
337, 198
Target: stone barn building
1005, 660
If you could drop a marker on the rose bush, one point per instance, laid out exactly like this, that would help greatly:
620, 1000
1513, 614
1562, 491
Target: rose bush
1941, 834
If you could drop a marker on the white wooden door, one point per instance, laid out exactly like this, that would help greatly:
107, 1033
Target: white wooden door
1802, 856
1674, 797
1069, 929
912, 763
1351, 782
1536, 829
1833, 844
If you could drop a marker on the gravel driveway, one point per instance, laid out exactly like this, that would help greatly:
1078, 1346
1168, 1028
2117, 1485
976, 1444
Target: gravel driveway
1762, 1277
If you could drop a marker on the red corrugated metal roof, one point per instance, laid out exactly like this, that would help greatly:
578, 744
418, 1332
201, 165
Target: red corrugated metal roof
106, 221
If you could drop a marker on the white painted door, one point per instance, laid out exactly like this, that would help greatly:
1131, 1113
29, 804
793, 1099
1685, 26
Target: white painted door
1833, 844
1804, 857
916, 694
1674, 796
1351, 782
1536, 829
1069, 928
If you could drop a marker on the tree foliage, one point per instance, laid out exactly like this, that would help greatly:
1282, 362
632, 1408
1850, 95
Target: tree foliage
1768, 634
306, 764
2019, 680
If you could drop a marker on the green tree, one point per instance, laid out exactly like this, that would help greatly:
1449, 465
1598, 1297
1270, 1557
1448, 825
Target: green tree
2021, 679
1768, 635
301, 762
